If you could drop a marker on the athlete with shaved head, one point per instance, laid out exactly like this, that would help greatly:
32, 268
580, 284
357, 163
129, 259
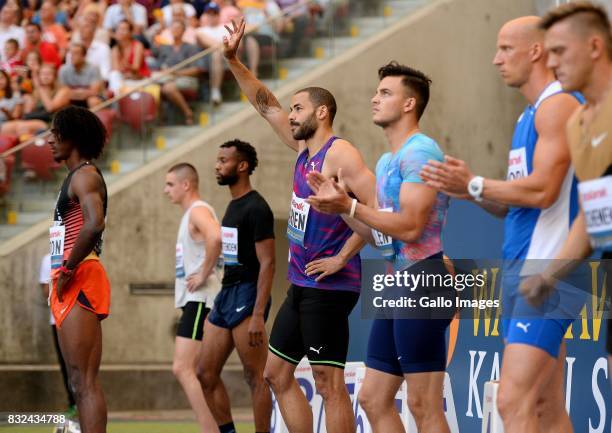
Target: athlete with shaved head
538, 202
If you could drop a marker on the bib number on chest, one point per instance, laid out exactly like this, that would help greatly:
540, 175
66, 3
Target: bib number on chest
517, 164
57, 234
180, 263
383, 242
596, 200
298, 219
229, 236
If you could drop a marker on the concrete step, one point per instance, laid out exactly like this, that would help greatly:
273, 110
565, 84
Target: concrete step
126, 388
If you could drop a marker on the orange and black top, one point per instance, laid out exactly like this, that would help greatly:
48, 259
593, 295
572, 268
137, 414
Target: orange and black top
69, 214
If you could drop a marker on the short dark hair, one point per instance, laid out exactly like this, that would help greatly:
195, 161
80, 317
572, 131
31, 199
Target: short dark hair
81, 46
587, 15
33, 24
320, 96
12, 41
82, 128
416, 82
129, 23
245, 151
187, 170
8, 89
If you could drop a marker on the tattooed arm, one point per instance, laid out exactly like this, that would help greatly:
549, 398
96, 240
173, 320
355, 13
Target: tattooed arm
257, 93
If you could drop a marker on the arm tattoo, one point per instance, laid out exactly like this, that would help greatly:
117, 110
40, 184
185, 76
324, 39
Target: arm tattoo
265, 101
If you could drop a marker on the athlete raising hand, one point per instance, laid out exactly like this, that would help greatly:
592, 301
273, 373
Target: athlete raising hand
324, 267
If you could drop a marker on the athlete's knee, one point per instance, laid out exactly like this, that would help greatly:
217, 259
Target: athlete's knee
418, 406
253, 377
208, 378
513, 401
371, 402
78, 381
180, 369
325, 384
276, 379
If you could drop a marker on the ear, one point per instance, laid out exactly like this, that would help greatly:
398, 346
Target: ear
597, 47
536, 51
243, 166
322, 112
410, 104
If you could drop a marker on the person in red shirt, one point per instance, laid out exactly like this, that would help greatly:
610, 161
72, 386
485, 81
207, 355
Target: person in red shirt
48, 51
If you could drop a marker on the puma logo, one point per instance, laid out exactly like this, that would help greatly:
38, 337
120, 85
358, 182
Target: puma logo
316, 350
523, 326
596, 141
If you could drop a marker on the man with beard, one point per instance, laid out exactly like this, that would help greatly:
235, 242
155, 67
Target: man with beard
241, 308
324, 265
80, 291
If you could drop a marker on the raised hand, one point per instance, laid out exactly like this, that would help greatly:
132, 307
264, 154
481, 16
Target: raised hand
231, 42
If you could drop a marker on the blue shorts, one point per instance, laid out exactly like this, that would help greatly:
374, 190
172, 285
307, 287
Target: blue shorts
401, 346
545, 326
235, 303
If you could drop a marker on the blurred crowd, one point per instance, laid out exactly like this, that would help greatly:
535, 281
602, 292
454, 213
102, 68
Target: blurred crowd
60, 52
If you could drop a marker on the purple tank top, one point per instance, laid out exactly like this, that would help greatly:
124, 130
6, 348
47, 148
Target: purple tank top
313, 235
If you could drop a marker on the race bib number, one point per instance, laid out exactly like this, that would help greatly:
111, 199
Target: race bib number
298, 219
229, 238
383, 242
180, 263
517, 164
596, 200
57, 234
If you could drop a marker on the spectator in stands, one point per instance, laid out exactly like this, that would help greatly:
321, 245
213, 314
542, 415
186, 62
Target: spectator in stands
86, 6
11, 104
189, 37
295, 23
12, 56
258, 13
33, 62
211, 35
168, 11
48, 51
8, 30
47, 98
59, 16
82, 78
92, 15
183, 79
98, 53
229, 11
126, 10
128, 60
52, 31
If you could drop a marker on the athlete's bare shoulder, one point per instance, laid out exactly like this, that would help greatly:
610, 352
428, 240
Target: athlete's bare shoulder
87, 179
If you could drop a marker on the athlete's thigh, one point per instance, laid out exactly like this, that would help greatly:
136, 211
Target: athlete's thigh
527, 370
186, 351
217, 345
80, 338
252, 357
286, 338
324, 325
421, 344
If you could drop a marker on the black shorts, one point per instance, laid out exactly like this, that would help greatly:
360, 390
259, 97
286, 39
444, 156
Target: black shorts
313, 322
191, 323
